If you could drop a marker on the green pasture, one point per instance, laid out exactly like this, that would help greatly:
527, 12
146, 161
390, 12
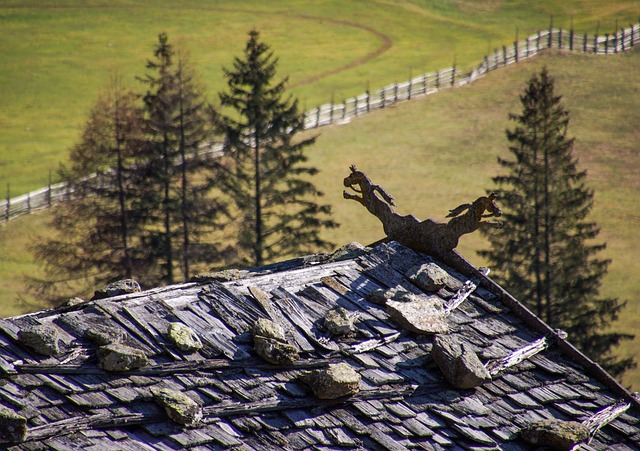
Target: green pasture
431, 154
56, 56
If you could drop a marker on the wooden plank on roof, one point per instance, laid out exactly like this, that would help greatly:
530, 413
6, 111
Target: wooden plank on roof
291, 278
388, 442
9, 328
476, 435
389, 278
318, 307
263, 299
548, 365
370, 314
6, 367
146, 321
340, 437
214, 331
162, 316
234, 309
140, 337
324, 299
402, 258
351, 421
77, 322
298, 315
298, 338
224, 434
351, 301
359, 283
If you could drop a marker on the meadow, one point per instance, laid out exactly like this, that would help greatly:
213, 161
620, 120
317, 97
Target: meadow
57, 56
431, 154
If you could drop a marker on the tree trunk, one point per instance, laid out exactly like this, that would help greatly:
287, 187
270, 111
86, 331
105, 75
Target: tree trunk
258, 257
184, 187
124, 232
168, 250
547, 240
536, 235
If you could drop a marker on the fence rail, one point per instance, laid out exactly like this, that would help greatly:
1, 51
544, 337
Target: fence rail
425, 84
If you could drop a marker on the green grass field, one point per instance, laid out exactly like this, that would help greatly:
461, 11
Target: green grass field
431, 154
58, 55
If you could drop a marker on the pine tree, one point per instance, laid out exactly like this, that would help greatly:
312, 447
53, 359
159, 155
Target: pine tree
264, 170
545, 254
98, 231
178, 122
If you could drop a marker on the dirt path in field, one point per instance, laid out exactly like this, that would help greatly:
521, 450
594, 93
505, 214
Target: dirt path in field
386, 44
385, 41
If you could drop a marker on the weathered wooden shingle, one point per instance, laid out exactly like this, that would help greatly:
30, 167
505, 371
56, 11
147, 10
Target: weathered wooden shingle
404, 402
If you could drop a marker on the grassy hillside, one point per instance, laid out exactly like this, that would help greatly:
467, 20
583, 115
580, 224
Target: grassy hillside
58, 55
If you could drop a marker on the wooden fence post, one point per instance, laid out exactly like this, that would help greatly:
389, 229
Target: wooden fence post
49, 189
571, 39
495, 58
318, 117
6, 216
527, 47
515, 45
368, 100
453, 70
486, 63
28, 203
344, 110
504, 55
538, 42
410, 85
425, 83
621, 40
560, 38
631, 42
382, 99
395, 93
586, 38
355, 106
437, 80
550, 31
606, 43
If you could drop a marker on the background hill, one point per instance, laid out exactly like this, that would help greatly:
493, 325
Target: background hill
431, 154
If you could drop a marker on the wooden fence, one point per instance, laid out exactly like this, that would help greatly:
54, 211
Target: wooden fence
433, 82
425, 84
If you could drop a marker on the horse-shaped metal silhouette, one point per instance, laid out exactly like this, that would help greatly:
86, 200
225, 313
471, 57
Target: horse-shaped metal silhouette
428, 236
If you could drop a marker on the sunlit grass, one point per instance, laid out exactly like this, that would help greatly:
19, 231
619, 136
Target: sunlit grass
57, 56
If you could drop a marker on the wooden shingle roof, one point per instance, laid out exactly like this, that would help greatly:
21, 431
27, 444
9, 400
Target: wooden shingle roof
70, 402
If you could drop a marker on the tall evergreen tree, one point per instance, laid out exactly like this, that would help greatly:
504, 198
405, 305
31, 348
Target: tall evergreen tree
98, 231
545, 254
265, 172
178, 122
